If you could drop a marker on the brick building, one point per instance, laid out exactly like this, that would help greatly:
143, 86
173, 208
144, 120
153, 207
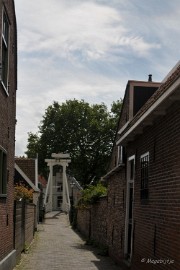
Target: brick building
144, 177
8, 86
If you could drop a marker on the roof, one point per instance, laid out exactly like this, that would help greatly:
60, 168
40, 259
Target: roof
157, 103
27, 165
25, 177
73, 179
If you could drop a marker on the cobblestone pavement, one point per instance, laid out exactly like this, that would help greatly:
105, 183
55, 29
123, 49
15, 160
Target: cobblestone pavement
58, 247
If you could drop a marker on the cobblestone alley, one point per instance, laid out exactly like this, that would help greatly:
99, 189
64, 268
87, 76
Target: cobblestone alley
58, 247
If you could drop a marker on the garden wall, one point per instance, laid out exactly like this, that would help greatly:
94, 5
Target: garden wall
92, 222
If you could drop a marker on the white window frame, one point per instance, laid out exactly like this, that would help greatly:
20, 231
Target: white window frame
3, 174
5, 43
129, 181
120, 155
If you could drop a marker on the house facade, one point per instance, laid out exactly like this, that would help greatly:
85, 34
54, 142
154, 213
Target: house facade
8, 86
144, 177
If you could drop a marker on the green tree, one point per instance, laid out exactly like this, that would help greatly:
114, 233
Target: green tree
84, 131
33, 145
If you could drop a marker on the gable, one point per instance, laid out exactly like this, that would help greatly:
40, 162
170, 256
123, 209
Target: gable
27, 165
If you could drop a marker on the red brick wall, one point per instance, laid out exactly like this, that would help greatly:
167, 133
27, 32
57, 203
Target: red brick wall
7, 134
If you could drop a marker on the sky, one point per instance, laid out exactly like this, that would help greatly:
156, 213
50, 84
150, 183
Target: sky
89, 49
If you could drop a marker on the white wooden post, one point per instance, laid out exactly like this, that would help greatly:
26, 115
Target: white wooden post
51, 187
47, 190
64, 202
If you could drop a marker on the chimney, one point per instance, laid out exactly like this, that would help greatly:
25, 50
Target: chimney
150, 78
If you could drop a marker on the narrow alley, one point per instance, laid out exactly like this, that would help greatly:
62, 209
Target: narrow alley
58, 247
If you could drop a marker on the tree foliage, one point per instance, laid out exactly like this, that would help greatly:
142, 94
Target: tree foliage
84, 131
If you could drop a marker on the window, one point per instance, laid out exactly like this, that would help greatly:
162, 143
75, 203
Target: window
144, 160
121, 155
5, 49
3, 172
59, 187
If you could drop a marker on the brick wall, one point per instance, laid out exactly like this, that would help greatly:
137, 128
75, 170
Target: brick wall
7, 132
99, 221
157, 223
116, 215
92, 222
83, 222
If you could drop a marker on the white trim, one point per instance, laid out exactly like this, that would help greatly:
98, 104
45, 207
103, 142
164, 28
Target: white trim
120, 155
123, 128
26, 178
131, 158
171, 89
3, 149
144, 155
5, 89
7, 47
112, 171
171, 71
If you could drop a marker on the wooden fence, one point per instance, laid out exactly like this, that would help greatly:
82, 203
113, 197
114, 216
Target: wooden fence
24, 225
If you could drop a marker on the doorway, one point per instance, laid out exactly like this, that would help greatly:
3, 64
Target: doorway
129, 208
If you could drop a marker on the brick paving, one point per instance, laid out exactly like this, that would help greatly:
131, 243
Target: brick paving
58, 247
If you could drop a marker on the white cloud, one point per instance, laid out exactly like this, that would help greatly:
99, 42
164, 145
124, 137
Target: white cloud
88, 50
63, 29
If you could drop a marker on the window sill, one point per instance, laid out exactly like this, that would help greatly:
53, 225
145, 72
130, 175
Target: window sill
3, 195
3, 198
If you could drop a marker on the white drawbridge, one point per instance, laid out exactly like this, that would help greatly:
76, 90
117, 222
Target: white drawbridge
61, 160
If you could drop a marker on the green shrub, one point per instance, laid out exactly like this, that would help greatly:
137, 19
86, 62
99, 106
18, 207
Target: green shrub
91, 195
